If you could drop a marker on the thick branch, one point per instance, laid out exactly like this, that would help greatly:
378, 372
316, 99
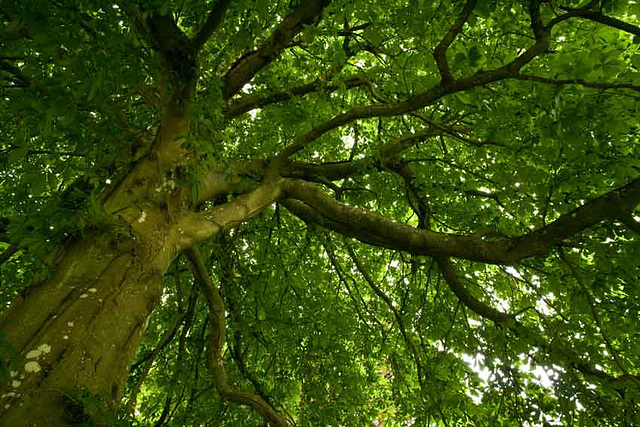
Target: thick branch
213, 21
312, 204
249, 64
216, 341
198, 226
440, 52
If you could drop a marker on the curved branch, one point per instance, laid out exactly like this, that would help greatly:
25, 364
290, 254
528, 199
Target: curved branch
216, 342
597, 17
482, 309
213, 21
313, 205
250, 63
559, 352
440, 52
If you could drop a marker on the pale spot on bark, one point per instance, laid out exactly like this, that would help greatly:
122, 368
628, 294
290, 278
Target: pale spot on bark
42, 349
32, 367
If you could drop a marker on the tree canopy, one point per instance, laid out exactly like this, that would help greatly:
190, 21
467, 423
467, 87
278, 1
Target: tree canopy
389, 212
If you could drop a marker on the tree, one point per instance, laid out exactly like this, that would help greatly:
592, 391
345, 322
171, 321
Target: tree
323, 212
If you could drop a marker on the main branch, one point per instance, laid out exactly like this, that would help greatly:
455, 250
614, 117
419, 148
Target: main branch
308, 202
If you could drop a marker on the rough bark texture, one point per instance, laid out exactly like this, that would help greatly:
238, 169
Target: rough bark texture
78, 330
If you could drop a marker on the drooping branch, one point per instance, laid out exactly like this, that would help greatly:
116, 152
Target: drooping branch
186, 328
440, 52
215, 351
594, 313
596, 16
561, 353
213, 21
406, 334
482, 309
311, 204
250, 63
180, 319
225, 264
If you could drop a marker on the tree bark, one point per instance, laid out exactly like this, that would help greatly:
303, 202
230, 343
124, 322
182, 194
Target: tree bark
76, 331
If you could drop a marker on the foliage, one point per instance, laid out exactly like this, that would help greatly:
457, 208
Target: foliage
326, 321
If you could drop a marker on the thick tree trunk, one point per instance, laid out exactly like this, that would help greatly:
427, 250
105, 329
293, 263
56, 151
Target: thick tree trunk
76, 332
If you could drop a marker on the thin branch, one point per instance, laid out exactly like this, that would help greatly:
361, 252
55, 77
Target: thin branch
561, 353
594, 313
165, 416
581, 82
248, 103
457, 134
596, 17
150, 360
440, 52
407, 336
420, 100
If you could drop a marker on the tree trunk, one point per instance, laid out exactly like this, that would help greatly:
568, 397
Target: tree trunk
76, 332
